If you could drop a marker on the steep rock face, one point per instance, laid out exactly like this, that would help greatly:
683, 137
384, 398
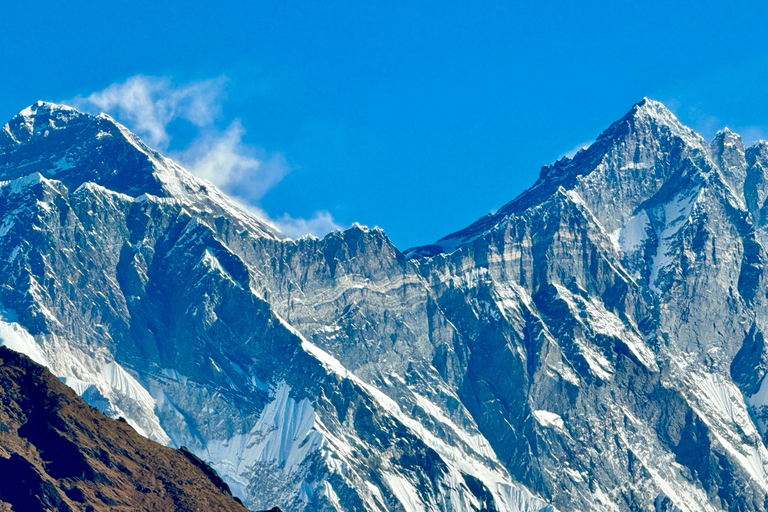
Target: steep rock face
597, 344
729, 155
653, 303
756, 183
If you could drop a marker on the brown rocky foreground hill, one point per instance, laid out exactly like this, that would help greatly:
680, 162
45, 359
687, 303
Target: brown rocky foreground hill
58, 453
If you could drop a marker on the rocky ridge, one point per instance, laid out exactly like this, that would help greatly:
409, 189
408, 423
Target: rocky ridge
596, 344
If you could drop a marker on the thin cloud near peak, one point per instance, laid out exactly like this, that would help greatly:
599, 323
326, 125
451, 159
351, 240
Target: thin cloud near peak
149, 104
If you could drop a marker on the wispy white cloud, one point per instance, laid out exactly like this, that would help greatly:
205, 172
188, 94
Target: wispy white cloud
320, 224
576, 149
234, 166
148, 105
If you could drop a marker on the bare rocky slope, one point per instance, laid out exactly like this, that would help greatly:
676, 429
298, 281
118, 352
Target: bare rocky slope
58, 453
596, 344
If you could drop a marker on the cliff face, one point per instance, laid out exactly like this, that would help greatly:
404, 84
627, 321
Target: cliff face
596, 344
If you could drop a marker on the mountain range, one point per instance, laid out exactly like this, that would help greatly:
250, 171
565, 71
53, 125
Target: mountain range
595, 344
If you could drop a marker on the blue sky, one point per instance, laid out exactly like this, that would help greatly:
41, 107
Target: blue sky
418, 117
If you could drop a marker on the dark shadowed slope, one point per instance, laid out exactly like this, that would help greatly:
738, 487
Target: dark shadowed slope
59, 453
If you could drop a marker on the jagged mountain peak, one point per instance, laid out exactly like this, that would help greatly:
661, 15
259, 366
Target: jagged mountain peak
651, 111
651, 116
726, 137
627, 164
73, 147
37, 119
628, 145
726, 140
50, 108
758, 150
728, 153
725, 131
653, 108
45, 115
76, 148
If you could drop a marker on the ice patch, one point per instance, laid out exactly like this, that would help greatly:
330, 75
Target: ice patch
676, 214
634, 233
760, 399
16, 338
406, 493
283, 436
77, 385
332, 496
124, 384
719, 403
476, 442
210, 261
549, 419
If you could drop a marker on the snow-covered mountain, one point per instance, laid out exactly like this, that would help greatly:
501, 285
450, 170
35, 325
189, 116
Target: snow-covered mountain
596, 344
